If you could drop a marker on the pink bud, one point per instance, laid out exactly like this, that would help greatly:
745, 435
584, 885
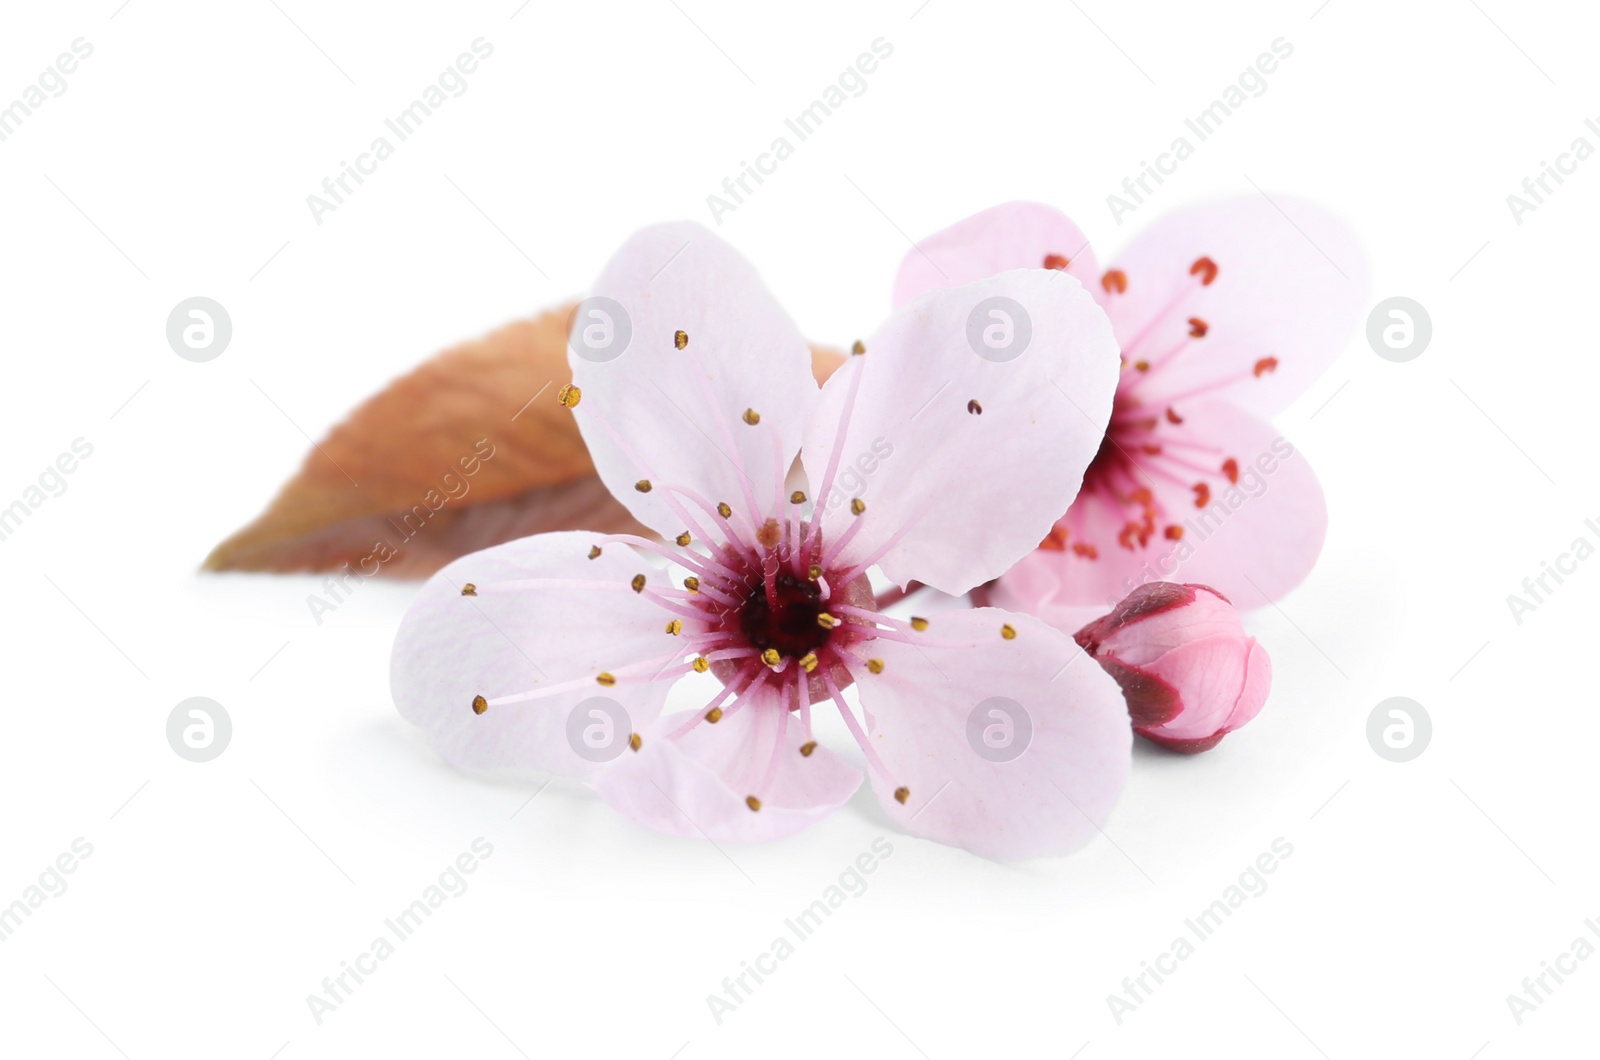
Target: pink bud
1188, 673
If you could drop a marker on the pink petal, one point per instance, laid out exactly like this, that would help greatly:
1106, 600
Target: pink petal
676, 417
1225, 680
934, 707
1291, 284
964, 462
1253, 542
696, 786
451, 648
1014, 235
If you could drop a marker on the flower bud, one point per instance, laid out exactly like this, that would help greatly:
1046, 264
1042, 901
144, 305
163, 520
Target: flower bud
1188, 672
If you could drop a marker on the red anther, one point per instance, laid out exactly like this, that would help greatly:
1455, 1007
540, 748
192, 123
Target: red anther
1230, 467
1265, 365
1204, 268
1115, 280
1056, 261
1173, 532
1202, 495
1172, 416
1198, 328
1085, 550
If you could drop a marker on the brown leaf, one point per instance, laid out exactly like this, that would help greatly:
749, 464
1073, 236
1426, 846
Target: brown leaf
468, 450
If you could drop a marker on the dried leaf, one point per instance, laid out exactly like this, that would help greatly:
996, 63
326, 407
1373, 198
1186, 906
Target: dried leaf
468, 450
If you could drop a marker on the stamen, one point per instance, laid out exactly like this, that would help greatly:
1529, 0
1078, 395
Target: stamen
643, 485
1056, 261
1206, 269
594, 552
1173, 532
809, 662
1265, 365
875, 665
752, 417
771, 656
1173, 417
901, 795
692, 584
714, 715
1198, 327
605, 678
857, 348
1202, 494
469, 590
975, 408
1008, 632
858, 506
635, 741
675, 627
807, 747
683, 539
813, 572
827, 621
723, 510
919, 624
797, 497
638, 583
752, 802
569, 396
769, 534
479, 704
1230, 467
1114, 280
701, 664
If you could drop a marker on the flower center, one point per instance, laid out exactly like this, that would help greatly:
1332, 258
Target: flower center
791, 622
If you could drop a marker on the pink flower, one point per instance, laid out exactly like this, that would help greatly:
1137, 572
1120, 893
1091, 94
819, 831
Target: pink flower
1225, 314
1189, 673
921, 457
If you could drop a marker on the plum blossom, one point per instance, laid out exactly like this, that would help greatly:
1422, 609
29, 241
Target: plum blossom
756, 599
1189, 673
1225, 313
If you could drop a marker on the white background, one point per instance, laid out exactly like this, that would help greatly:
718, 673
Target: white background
219, 895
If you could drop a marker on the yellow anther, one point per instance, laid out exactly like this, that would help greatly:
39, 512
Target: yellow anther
771, 657
809, 661
827, 621
638, 583
1008, 633
634, 741
919, 624
714, 715
594, 551
875, 665
643, 485
469, 590
605, 678
701, 664
683, 539
569, 396
901, 795
680, 339
797, 497
723, 509
752, 802
858, 506
752, 417
675, 626
479, 704
692, 583
857, 348
813, 572
807, 747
